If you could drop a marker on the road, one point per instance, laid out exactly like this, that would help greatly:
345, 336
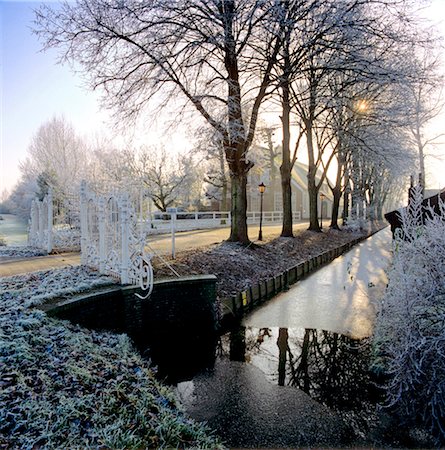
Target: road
188, 240
161, 244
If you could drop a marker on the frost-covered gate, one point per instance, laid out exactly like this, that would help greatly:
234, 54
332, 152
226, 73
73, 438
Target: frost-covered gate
55, 222
112, 238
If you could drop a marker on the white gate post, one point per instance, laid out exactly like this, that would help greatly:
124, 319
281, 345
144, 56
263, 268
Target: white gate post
102, 234
49, 206
173, 218
33, 229
125, 240
41, 223
83, 223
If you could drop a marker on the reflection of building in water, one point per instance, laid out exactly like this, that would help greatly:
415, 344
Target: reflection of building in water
330, 367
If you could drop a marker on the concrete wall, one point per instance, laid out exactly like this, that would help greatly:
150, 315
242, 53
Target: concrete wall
180, 304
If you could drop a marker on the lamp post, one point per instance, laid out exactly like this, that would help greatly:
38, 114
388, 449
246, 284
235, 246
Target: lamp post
322, 197
261, 188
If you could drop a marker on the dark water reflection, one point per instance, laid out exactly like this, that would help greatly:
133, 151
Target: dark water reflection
330, 367
179, 356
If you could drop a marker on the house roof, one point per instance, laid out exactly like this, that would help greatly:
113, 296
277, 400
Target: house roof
394, 217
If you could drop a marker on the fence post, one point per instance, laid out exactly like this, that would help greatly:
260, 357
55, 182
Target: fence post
102, 237
49, 205
172, 212
40, 214
83, 223
125, 240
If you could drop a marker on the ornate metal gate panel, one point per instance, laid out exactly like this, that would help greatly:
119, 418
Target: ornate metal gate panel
112, 240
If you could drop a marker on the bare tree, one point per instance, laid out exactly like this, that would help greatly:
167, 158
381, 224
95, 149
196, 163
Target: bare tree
216, 177
56, 154
218, 55
164, 177
367, 43
425, 102
20, 200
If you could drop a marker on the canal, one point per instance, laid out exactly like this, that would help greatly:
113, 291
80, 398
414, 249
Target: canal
295, 371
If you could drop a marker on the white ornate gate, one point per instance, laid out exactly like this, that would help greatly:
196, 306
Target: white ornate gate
54, 223
112, 241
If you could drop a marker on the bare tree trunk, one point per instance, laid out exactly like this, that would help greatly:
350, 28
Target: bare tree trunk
286, 167
421, 159
238, 208
346, 198
311, 183
224, 187
313, 205
335, 208
381, 201
223, 206
287, 202
336, 192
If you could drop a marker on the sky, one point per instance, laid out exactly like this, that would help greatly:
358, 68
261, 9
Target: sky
34, 88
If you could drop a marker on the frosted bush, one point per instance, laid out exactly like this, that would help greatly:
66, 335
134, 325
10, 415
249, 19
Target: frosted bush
410, 329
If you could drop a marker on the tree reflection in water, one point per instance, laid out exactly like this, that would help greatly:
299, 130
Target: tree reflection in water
330, 367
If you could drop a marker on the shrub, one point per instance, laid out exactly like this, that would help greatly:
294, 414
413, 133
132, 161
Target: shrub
410, 329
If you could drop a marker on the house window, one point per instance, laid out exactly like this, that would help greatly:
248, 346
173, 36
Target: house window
255, 203
278, 202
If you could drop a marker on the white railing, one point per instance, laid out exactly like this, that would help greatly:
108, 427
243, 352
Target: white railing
185, 221
269, 216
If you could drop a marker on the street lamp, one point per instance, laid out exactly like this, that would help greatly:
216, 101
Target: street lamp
322, 197
261, 188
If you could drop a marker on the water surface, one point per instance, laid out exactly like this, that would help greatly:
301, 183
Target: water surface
341, 297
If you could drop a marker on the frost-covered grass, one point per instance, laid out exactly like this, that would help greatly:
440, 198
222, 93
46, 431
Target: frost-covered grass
36, 288
62, 386
410, 329
20, 252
